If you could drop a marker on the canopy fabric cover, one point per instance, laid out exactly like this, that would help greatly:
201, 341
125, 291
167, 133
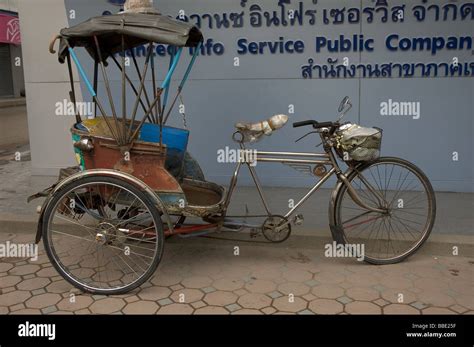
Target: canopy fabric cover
137, 28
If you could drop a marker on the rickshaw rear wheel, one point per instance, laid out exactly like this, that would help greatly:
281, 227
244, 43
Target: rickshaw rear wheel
94, 248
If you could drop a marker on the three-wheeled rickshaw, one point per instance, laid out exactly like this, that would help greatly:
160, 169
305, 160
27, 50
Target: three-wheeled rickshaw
105, 221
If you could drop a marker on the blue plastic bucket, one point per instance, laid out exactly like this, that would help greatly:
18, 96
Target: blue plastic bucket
176, 141
172, 137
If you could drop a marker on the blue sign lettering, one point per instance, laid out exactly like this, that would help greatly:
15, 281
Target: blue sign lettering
281, 46
357, 43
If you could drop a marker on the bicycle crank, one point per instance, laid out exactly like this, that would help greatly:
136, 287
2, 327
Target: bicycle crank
276, 229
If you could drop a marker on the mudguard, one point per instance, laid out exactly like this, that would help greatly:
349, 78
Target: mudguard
101, 173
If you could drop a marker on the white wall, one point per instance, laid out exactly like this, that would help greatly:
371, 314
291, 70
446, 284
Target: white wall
46, 82
9, 5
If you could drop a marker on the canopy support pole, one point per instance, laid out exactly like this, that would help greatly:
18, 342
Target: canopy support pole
96, 82
124, 91
91, 90
191, 64
140, 91
135, 63
160, 116
72, 93
167, 81
183, 82
157, 113
135, 133
120, 138
166, 87
129, 82
165, 98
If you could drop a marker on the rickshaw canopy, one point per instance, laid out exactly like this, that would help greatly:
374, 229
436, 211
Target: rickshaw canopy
105, 36
137, 29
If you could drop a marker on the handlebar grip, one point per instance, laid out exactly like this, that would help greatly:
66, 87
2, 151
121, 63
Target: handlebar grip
304, 123
323, 125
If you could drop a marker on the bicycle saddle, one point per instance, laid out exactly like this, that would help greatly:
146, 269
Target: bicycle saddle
252, 132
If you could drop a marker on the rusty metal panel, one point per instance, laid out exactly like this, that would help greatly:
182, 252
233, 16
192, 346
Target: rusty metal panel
145, 161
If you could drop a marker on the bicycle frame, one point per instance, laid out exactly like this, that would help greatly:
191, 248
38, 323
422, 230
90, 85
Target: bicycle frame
328, 159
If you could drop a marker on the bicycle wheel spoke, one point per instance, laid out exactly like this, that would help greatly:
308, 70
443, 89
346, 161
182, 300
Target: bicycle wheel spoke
380, 180
118, 234
365, 193
399, 189
408, 230
396, 233
412, 213
401, 221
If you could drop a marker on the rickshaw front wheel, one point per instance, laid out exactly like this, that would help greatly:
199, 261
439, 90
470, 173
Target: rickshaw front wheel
104, 235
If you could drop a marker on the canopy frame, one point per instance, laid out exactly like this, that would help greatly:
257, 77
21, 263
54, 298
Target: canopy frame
126, 131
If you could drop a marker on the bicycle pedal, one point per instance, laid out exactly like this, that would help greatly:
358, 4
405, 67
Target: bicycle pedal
254, 233
298, 220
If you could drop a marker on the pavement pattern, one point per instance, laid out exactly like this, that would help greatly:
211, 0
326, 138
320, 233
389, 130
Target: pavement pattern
204, 276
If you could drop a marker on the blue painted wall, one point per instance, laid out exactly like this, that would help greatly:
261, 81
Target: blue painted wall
220, 94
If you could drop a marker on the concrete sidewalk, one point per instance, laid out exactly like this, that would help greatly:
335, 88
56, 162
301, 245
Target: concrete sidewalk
14, 121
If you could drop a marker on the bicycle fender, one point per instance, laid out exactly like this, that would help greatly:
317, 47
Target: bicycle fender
39, 234
337, 233
103, 173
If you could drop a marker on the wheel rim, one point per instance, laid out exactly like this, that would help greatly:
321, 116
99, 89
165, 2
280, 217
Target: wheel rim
406, 196
103, 236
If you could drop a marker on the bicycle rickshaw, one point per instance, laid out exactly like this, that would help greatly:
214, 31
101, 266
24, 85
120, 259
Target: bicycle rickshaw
104, 223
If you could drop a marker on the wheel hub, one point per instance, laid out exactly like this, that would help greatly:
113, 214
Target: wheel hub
104, 232
101, 238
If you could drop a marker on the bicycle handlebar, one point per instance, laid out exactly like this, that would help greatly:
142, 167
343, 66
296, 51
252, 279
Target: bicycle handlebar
314, 124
